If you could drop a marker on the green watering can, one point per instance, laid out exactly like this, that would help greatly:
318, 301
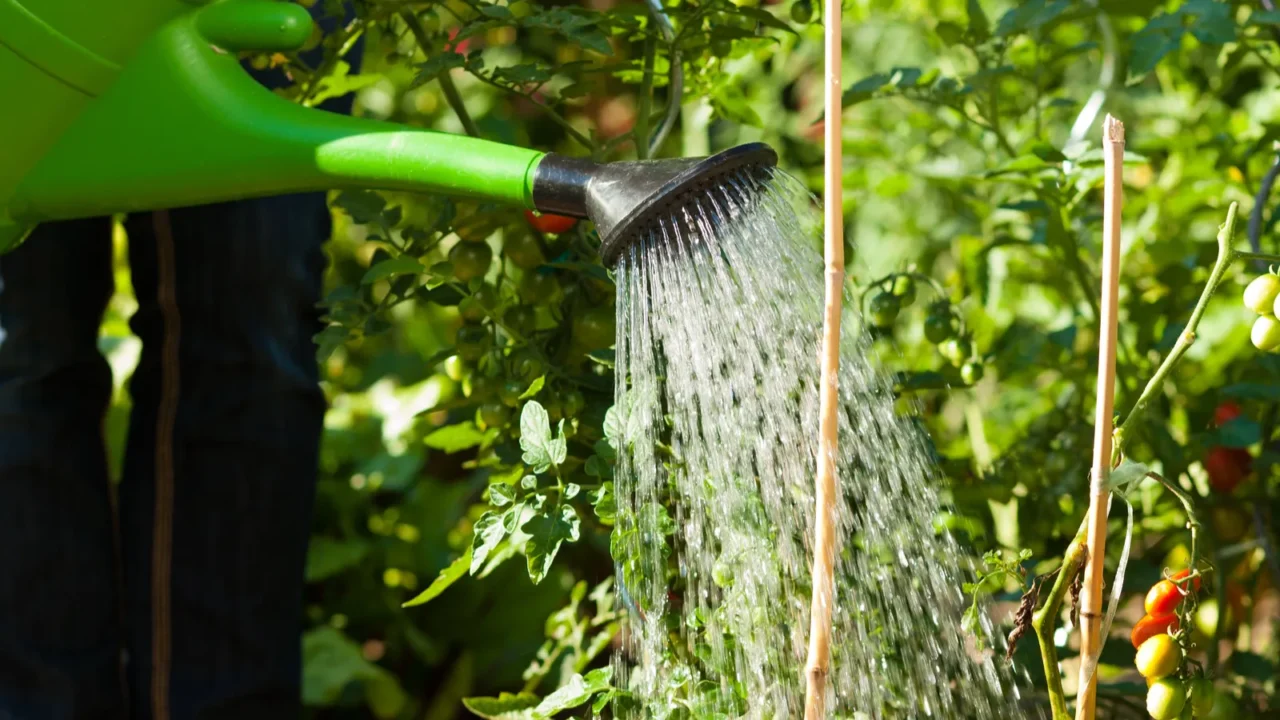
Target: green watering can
143, 105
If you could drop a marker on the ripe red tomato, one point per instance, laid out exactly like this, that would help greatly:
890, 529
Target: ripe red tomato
1226, 411
549, 223
1227, 467
1182, 574
1148, 627
1162, 598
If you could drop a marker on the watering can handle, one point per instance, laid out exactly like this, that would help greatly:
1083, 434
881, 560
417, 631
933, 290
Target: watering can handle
256, 26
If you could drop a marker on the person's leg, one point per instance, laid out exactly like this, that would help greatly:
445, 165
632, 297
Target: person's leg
221, 466
60, 636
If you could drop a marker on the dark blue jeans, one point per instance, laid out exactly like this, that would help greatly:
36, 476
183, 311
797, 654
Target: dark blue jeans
192, 608
177, 595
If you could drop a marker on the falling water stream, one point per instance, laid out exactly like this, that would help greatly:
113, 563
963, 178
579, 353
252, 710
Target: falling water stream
720, 313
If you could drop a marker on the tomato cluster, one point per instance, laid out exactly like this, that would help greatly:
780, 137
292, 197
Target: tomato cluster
1160, 657
1261, 297
943, 326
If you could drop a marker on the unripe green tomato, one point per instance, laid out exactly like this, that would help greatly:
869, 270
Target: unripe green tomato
476, 307
1203, 697
940, 325
454, 367
510, 393
1260, 295
494, 415
523, 251
1276, 306
904, 288
1158, 657
956, 350
554, 408
470, 260
538, 288
526, 366
884, 309
480, 386
1266, 333
520, 318
595, 329
1165, 699
521, 9
473, 342
971, 372
573, 403
802, 11
1224, 708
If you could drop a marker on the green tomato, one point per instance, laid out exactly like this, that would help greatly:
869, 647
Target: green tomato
940, 325
1266, 333
802, 11
956, 350
1224, 708
1165, 699
479, 386
595, 329
473, 342
539, 288
523, 250
1158, 657
520, 318
476, 307
470, 260
884, 309
526, 365
1203, 697
510, 393
1261, 294
971, 372
454, 367
904, 288
494, 415
573, 403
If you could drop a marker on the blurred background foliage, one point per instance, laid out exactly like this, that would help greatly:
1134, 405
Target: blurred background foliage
961, 166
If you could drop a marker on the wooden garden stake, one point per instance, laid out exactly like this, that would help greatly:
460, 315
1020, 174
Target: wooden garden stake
824, 538
1099, 495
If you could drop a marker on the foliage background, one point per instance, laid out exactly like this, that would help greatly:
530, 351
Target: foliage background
955, 135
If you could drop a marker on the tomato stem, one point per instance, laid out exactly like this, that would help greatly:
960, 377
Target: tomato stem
1045, 621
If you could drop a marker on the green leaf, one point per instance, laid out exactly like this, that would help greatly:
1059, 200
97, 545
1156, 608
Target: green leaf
523, 74
558, 449
489, 532
1240, 432
577, 691
364, 206
979, 25
1048, 153
534, 388
1254, 391
766, 18
1253, 666
447, 577
1265, 17
1127, 475
613, 427
1213, 23
535, 437
547, 532
501, 494
439, 64
339, 82
605, 503
864, 89
453, 438
332, 662
504, 707
395, 266
327, 557
949, 33
1149, 46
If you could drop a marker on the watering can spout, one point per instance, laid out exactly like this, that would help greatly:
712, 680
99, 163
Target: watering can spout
183, 124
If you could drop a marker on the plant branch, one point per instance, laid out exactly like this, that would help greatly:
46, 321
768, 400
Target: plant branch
447, 85
1045, 621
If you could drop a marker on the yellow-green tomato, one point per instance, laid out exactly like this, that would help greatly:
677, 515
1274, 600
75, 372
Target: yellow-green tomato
1260, 295
1165, 699
1203, 697
1266, 333
1159, 656
1224, 708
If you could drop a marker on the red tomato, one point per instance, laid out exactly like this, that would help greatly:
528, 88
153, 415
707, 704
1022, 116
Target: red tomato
1182, 574
549, 223
1162, 598
1149, 627
1227, 411
1227, 467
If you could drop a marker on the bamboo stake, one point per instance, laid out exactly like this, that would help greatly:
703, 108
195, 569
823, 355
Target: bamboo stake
824, 538
1099, 495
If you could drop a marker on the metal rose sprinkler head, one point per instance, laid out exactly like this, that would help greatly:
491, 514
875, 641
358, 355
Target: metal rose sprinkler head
627, 199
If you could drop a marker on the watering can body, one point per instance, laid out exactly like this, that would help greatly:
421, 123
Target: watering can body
141, 105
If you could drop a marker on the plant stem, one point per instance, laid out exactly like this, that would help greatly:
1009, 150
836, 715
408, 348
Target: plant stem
1045, 621
450, 90
1225, 256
